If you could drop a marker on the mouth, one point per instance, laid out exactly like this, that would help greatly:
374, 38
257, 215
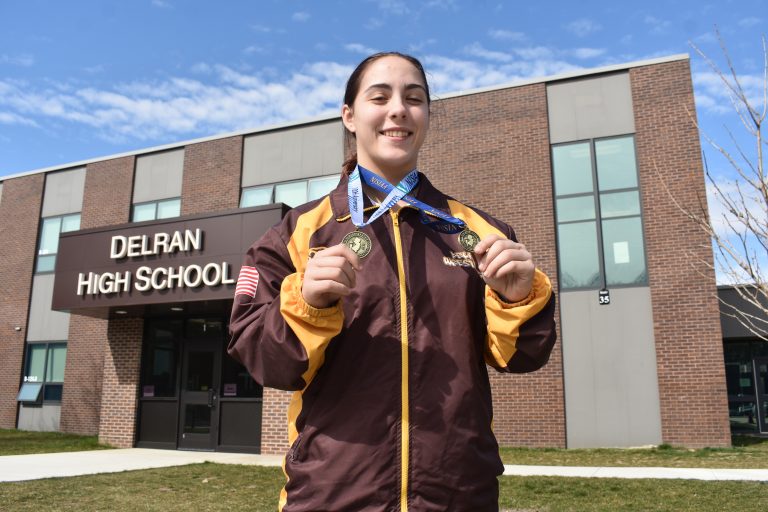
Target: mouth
396, 134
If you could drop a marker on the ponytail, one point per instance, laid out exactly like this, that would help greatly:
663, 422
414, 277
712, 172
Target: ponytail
349, 164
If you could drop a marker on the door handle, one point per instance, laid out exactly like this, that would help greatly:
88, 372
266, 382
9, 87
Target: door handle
212, 397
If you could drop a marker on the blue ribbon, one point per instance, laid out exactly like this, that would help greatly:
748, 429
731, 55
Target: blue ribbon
443, 222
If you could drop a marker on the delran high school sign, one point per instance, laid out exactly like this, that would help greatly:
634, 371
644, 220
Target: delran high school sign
155, 278
194, 258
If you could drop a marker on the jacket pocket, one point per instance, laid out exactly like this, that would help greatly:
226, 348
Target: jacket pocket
293, 453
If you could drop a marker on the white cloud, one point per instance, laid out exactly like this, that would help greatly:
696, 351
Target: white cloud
263, 29
394, 7
182, 106
211, 98
11, 118
373, 23
583, 27
300, 16
359, 48
17, 60
713, 96
587, 53
449, 75
255, 49
506, 35
477, 50
657, 25
163, 4
442, 4
535, 53
750, 21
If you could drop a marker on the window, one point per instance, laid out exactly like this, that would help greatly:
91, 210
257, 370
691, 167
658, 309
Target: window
50, 230
292, 193
597, 203
153, 210
44, 371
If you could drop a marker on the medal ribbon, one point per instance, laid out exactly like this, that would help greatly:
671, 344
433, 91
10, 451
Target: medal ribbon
394, 194
444, 222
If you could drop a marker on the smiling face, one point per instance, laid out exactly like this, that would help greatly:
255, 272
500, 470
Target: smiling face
389, 117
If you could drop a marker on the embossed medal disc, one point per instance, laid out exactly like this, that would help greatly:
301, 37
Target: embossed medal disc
359, 242
468, 240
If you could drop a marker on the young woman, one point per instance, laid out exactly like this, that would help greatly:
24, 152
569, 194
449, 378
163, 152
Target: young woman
379, 305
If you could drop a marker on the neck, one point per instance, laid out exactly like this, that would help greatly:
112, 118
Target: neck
393, 176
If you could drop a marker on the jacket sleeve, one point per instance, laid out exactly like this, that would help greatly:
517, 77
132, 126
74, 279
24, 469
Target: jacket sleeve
520, 336
275, 334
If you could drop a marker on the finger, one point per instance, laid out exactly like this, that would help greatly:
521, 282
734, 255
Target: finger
343, 251
332, 289
482, 247
522, 269
496, 259
495, 249
333, 274
350, 256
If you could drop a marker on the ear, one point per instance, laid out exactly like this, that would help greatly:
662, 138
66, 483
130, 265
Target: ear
348, 118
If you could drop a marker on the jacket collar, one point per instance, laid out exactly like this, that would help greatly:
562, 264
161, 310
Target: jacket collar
425, 192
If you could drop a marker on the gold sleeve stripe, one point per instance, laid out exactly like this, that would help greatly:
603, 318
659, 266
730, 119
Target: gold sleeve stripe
504, 321
306, 225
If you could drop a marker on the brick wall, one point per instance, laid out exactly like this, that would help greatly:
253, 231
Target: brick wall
274, 422
119, 398
19, 218
212, 175
491, 150
106, 201
694, 408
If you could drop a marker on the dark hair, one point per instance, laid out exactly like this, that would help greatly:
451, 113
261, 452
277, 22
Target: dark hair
353, 88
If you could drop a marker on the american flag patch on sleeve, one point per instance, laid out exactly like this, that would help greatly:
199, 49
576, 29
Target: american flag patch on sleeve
247, 281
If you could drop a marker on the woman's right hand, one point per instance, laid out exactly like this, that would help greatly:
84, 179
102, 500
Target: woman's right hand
330, 275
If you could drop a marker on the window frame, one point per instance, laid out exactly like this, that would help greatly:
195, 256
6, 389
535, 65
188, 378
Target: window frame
58, 237
49, 346
596, 192
156, 204
275, 184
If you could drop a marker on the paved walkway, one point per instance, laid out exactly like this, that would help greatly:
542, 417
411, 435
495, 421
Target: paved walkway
14, 468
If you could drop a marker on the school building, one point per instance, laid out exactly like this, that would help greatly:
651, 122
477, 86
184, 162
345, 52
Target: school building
118, 273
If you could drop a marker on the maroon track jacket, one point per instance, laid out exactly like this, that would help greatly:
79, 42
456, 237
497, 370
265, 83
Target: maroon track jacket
391, 408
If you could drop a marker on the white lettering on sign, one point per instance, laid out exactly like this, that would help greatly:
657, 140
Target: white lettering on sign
158, 278
159, 243
108, 282
147, 278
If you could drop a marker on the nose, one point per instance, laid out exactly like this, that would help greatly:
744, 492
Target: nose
397, 107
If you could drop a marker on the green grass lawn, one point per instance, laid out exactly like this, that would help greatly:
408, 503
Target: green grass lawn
230, 487
747, 453
18, 442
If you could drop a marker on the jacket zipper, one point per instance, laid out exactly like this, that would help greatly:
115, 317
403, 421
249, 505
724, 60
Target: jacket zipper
404, 419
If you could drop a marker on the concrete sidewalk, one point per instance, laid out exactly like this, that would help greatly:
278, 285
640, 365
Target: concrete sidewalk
15, 468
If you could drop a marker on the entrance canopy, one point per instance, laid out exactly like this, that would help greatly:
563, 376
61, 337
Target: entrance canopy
123, 269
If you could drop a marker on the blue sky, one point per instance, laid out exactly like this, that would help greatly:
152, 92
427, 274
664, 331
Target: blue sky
88, 78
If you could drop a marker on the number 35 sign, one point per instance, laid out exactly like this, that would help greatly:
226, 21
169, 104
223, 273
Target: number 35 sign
604, 297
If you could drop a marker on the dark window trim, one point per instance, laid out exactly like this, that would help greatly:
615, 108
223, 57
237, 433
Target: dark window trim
598, 219
45, 381
156, 204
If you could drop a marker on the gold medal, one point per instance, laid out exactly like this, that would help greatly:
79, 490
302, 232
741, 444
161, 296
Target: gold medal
359, 242
468, 240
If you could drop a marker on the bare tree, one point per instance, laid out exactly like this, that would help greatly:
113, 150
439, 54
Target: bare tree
739, 229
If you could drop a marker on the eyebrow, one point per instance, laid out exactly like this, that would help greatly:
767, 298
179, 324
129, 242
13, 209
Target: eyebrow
389, 87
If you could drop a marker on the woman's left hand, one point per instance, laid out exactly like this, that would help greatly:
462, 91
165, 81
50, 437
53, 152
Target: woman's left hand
506, 266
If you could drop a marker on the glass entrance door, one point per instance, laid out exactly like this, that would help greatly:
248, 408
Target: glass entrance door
761, 381
199, 407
